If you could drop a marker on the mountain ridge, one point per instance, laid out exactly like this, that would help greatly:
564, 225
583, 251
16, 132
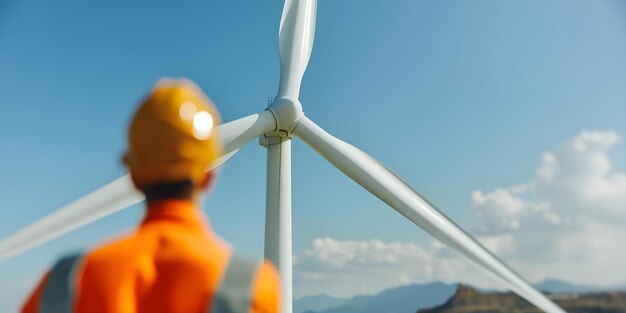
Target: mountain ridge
400, 299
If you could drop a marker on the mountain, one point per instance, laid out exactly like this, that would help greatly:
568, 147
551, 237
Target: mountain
317, 303
405, 299
469, 300
409, 298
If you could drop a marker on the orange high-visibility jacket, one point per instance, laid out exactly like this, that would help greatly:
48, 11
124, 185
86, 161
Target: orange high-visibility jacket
172, 264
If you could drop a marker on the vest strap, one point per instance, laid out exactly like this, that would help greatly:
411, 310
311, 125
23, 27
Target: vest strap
59, 291
233, 296
235, 292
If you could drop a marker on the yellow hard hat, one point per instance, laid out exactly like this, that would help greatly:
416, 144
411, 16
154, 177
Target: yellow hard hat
172, 137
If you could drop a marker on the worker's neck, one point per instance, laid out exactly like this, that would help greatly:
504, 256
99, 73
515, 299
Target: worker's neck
178, 195
160, 201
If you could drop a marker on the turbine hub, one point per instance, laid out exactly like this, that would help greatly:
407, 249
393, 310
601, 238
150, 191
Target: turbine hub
287, 111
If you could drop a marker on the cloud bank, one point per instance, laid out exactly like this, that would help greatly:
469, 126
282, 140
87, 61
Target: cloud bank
568, 221
346, 268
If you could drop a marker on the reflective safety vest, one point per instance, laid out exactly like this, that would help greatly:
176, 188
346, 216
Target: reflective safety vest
173, 263
233, 296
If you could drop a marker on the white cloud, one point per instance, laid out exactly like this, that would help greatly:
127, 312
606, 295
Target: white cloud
566, 222
501, 211
346, 268
569, 218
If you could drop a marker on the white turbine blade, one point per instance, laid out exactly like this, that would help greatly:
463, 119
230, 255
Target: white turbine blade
121, 193
296, 33
394, 191
238, 133
109, 199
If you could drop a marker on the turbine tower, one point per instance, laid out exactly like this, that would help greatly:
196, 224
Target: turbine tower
276, 126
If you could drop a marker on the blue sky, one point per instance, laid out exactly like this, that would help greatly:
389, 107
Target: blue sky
455, 96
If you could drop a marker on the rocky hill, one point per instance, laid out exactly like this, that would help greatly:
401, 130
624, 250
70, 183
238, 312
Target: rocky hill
469, 300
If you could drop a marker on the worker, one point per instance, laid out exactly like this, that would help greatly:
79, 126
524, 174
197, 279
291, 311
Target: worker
173, 262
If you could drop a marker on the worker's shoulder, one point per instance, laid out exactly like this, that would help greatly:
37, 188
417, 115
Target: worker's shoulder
267, 269
266, 288
267, 278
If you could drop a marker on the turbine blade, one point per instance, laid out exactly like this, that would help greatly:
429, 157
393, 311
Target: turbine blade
398, 194
106, 200
121, 193
296, 33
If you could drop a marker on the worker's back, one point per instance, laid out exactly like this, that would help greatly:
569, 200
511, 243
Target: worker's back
173, 263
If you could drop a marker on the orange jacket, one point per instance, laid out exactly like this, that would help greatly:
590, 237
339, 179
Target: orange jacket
173, 263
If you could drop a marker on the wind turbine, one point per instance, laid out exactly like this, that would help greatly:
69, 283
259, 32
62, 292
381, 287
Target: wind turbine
276, 127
